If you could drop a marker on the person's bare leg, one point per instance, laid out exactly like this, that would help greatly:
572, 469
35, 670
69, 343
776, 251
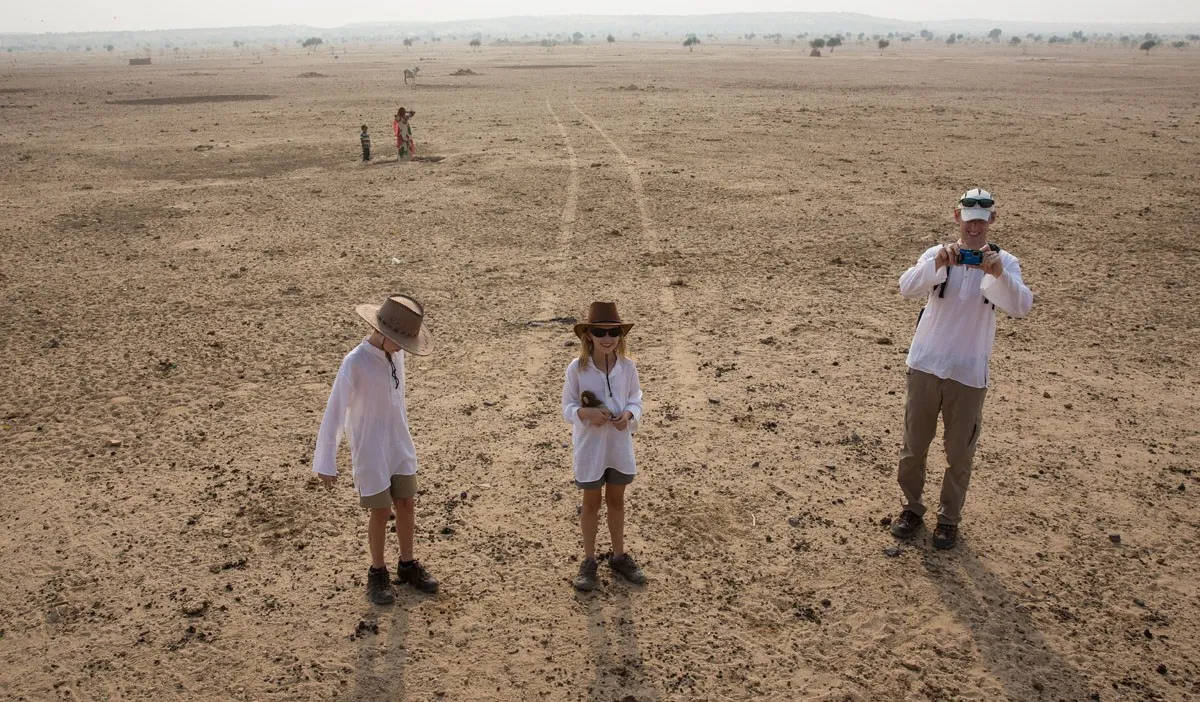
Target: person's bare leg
406, 525
614, 500
377, 534
589, 520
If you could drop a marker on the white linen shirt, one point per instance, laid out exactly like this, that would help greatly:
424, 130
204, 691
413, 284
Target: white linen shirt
366, 404
954, 338
597, 448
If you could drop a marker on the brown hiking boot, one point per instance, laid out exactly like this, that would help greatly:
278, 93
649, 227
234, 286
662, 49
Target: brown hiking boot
586, 580
379, 590
415, 574
906, 524
945, 536
627, 568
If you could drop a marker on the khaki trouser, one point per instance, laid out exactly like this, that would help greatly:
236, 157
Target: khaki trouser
961, 407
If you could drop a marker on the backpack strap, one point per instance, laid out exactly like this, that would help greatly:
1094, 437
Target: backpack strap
941, 287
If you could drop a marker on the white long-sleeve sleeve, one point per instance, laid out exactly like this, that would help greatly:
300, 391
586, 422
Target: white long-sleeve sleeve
916, 282
571, 398
1008, 292
633, 401
333, 424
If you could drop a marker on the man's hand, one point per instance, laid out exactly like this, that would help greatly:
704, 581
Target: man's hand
327, 480
991, 263
948, 256
622, 423
595, 416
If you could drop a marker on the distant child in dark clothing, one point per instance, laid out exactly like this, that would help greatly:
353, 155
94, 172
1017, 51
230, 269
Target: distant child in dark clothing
366, 143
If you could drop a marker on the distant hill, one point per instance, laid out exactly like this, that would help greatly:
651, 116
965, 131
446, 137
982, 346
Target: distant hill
623, 27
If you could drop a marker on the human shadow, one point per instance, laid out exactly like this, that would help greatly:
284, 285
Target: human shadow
1014, 651
380, 660
615, 651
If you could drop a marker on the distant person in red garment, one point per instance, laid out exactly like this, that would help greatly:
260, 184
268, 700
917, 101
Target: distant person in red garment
403, 132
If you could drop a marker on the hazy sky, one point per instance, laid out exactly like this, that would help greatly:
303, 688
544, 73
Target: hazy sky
89, 15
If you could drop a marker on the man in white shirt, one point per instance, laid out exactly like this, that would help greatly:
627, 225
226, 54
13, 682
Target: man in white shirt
367, 403
963, 283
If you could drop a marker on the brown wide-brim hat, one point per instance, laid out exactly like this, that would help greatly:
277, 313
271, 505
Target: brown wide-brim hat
401, 318
602, 314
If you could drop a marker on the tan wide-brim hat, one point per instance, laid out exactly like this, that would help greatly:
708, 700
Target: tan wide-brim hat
401, 318
602, 314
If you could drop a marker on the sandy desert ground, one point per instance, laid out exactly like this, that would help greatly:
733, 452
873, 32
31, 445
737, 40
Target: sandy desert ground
176, 292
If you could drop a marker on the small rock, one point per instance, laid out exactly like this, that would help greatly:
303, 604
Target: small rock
1046, 394
883, 341
826, 604
1147, 634
195, 608
714, 400
1139, 602
1115, 538
891, 551
914, 667
114, 443
794, 521
448, 531
53, 344
1068, 405
886, 521
1162, 668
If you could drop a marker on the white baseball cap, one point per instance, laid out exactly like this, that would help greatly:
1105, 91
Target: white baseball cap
970, 205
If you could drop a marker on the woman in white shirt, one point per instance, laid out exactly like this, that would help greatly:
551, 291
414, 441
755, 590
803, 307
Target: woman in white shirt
602, 401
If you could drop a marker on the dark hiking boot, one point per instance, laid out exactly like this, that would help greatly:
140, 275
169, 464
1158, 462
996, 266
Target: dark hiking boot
627, 568
586, 580
945, 536
415, 574
379, 590
906, 524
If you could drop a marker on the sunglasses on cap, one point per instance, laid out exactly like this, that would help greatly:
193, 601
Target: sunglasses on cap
601, 332
984, 202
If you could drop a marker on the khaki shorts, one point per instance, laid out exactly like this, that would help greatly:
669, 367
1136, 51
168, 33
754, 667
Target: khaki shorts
403, 486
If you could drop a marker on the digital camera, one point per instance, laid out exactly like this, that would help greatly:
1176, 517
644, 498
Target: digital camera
970, 257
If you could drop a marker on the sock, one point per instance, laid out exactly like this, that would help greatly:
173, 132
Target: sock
407, 564
378, 570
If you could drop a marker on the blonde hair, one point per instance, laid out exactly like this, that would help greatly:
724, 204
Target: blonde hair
588, 346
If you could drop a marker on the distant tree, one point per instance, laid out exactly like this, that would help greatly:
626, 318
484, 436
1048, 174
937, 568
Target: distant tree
883, 44
691, 42
108, 48
611, 39
951, 39
750, 36
994, 35
475, 43
926, 35
1149, 36
577, 38
636, 36
833, 43
1193, 37
1014, 41
408, 42
906, 38
1147, 45
1179, 45
1054, 39
817, 43
312, 42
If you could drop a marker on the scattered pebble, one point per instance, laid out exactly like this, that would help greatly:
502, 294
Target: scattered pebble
886, 521
1046, 394
1115, 538
914, 667
195, 608
892, 551
1162, 668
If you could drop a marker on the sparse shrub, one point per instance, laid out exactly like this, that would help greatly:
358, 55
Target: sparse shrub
1179, 45
108, 48
883, 44
1147, 45
312, 43
1014, 41
817, 43
408, 42
691, 42
833, 43
577, 38
611, 39
926, 35
475, 43
951, 39
994, 35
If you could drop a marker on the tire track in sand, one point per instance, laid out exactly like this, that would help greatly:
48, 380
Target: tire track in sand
677, 347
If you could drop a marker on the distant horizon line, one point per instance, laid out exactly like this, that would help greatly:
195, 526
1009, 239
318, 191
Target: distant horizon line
1111, 25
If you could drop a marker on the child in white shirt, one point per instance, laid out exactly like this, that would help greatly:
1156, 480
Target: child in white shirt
367, 402
602, 401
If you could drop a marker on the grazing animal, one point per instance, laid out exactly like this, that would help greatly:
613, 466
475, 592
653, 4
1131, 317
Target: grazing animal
411, 73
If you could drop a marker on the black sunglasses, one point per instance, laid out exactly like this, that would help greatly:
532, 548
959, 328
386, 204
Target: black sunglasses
985, 202
601, 332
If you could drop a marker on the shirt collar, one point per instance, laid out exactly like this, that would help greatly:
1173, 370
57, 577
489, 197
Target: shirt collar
375, 350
